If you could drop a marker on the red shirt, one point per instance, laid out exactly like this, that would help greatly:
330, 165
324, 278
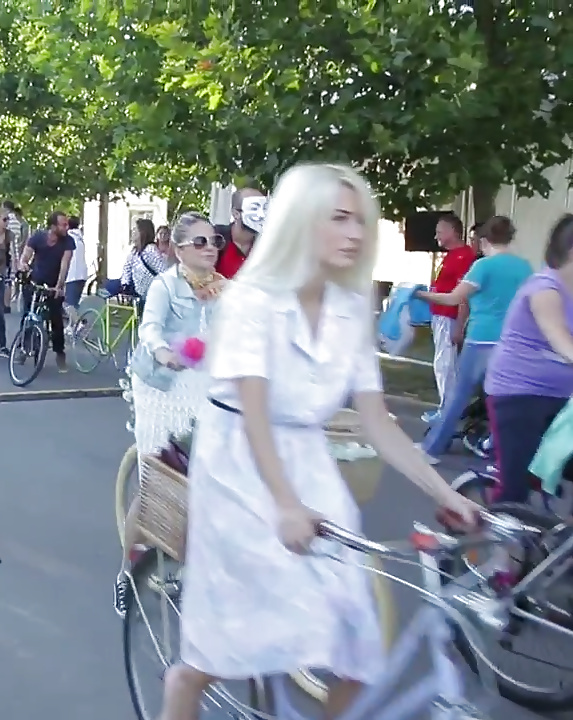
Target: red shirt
231, 257
454, 267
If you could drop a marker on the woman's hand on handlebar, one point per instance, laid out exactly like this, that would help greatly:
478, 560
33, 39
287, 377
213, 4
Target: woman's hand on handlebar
297, 527
460, 510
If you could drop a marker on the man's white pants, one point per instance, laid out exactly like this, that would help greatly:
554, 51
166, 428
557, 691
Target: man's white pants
445, 355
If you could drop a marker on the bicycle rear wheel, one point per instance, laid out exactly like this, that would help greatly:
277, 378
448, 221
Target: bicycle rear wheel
515, 656
88, 341
126, 488
151, 645
28, 353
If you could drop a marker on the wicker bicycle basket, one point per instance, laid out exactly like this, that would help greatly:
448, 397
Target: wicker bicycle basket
162, 519
162, 516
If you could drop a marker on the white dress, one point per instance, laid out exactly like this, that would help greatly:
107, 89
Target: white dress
250, 606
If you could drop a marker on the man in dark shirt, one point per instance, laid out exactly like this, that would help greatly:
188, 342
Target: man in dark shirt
475, 239
247, 209
48, 253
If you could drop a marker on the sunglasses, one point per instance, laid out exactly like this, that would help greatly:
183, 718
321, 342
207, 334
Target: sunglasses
216, 241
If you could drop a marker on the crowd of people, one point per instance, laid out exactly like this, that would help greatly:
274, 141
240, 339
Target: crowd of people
289, 341
56, 256
273, 376
503, 329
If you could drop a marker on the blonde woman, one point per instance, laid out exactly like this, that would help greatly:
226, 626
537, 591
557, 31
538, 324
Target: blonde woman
166, 394
292, 335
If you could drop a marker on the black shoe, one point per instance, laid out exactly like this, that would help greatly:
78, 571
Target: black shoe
4, 352
121, 589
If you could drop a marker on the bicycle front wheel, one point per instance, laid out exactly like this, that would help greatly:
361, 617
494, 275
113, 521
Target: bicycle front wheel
88, 341
28, 353
126, 488
531, 659
151, 645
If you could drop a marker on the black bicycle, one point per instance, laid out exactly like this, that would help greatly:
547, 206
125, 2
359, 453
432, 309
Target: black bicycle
30, 346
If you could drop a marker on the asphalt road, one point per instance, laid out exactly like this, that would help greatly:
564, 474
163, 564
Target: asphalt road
105, 375
60, 641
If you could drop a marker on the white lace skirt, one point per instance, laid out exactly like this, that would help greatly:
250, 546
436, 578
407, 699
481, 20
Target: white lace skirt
159, 414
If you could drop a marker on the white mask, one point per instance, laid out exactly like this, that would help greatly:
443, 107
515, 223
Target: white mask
253, 211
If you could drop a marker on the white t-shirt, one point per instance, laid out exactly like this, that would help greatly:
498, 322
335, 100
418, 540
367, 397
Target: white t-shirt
78, 266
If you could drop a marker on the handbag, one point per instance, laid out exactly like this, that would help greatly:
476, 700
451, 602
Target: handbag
129, 289
149, 269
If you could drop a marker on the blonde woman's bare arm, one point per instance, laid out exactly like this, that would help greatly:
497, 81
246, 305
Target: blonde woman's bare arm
253, 397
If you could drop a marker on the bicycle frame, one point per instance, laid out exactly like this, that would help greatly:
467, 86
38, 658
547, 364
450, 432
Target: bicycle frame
38, 305
441, 688
130, 325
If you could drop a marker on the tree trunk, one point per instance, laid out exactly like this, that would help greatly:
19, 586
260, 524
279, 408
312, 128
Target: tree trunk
103, 226
484, 202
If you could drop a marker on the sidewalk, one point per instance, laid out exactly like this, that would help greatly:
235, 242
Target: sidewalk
50, 383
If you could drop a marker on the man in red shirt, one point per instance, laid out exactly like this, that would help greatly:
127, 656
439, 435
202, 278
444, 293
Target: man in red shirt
247, 209
448, 322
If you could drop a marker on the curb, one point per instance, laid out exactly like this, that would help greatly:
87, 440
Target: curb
412, 401
31, 395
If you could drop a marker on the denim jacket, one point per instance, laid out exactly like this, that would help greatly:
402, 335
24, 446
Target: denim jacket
171, 312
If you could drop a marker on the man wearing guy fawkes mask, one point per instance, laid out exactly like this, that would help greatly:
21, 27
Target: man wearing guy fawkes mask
248, 211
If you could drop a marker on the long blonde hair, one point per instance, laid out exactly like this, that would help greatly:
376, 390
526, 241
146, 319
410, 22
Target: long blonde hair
284, 255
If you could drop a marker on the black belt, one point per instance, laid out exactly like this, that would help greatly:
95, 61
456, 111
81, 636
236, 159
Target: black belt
236, 411
223, 406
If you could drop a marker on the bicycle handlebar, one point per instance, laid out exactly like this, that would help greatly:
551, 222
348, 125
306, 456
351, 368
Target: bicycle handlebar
25, 277
492, 528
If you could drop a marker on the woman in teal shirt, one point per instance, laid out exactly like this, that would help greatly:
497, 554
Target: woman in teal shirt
488, 288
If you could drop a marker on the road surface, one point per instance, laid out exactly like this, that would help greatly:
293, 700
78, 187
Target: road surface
106, 374
60, 641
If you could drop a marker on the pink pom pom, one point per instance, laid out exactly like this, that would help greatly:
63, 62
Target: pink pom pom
193, 350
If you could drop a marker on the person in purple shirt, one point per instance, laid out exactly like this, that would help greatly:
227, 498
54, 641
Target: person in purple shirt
48, 253
530, 373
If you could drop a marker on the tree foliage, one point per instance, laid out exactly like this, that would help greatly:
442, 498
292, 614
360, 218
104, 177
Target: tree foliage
427, 97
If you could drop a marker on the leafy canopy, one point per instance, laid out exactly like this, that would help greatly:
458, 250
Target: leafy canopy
428, 97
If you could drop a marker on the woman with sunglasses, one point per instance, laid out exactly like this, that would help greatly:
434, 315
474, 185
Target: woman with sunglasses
166, 392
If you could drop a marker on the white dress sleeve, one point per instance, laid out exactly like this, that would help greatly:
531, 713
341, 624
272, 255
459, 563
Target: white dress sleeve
242, 334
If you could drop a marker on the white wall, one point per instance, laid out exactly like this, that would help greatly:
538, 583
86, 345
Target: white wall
396, 265
533, 217
120, 212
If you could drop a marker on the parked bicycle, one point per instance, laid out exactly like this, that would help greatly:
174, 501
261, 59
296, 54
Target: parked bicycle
30, 346
151, 634
101, 334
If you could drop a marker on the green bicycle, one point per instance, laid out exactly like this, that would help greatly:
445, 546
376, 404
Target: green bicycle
99, 334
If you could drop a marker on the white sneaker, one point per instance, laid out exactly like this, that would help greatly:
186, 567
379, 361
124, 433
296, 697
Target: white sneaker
429, 458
